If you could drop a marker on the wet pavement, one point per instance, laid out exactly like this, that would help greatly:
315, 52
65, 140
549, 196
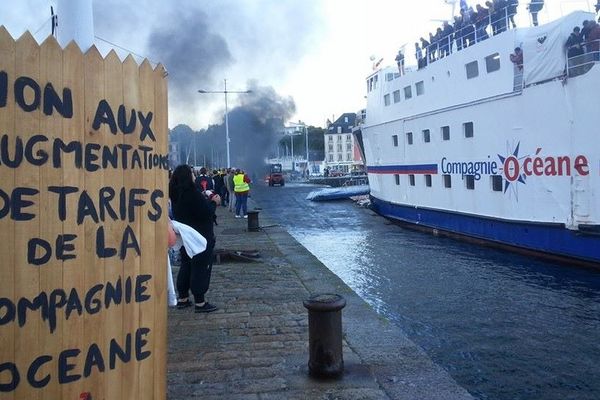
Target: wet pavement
256, 345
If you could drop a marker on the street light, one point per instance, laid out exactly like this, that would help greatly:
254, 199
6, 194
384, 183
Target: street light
226, 112
306, 141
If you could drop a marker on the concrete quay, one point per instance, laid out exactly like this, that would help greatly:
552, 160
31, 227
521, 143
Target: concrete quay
255, 347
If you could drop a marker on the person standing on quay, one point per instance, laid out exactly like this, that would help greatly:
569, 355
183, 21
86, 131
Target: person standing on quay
219, 182
230, 185
241, 188
194, 209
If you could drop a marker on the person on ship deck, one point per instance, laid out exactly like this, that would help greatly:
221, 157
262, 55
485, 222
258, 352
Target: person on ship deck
512, 11
419, 56
400, 62
593, 41
425, 46
482, 22
471, 26
574, 47
447, 35
517, 58
534, 8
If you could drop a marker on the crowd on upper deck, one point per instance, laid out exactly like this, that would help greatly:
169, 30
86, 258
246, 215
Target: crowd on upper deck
583, 46
471, 26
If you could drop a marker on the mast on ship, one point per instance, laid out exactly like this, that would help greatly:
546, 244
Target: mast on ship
75, 22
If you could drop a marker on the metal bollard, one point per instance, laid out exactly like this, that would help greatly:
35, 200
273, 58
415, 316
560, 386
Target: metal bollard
325, 334
253, 225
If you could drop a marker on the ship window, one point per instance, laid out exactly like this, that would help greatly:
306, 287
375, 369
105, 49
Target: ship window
420, 86
409, 137
445, 133
411, 180
407, 92
470, 182
496, 182
447, 181
396, 96
468, 129
426, 136
428, 180
397, 178
386, 99
492, 62
472, 69
395, 140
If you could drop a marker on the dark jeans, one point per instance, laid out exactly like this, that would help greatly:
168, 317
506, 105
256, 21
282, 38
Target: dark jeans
194, 273
225, 197
241, 203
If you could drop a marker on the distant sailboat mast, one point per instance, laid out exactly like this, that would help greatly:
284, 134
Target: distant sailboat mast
75, 22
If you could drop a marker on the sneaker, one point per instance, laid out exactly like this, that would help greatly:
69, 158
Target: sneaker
237, 216
184, 304
206, 308
246, 216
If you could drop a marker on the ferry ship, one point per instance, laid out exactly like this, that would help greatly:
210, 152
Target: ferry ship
474, 146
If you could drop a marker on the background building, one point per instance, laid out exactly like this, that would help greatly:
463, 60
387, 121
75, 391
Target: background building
341, 152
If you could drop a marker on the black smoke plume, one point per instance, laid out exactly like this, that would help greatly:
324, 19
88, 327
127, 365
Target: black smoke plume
255, 127
192, 53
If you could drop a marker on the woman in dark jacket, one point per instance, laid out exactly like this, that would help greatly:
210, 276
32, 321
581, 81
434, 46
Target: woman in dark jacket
192, 208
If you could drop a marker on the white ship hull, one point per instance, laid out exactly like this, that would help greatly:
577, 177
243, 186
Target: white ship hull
528, 177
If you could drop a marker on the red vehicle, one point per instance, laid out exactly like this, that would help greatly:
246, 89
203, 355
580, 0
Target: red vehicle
276, 175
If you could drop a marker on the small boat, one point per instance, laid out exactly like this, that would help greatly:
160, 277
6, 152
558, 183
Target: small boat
338, 193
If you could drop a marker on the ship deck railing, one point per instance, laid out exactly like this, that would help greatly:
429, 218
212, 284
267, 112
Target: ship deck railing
518, 79
479, 30
582, 63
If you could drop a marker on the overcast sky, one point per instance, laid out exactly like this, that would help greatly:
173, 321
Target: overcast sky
315, 51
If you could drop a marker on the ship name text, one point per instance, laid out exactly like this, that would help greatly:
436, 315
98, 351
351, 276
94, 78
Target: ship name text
475, 168
537, 165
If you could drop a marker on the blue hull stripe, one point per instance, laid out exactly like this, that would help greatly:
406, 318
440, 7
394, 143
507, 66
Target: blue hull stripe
404, 169
539, 237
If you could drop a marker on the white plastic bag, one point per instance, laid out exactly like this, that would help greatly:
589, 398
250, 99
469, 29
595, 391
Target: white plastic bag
171, 296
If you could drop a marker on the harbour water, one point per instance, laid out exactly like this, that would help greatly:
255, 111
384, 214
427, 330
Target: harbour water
505, 326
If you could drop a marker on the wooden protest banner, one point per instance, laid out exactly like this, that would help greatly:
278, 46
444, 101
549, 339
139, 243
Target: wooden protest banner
83, 204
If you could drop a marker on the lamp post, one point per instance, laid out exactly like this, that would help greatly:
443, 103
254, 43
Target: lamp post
225, 91
306, 141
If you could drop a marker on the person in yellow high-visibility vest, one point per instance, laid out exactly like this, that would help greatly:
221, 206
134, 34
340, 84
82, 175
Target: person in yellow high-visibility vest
241, 183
